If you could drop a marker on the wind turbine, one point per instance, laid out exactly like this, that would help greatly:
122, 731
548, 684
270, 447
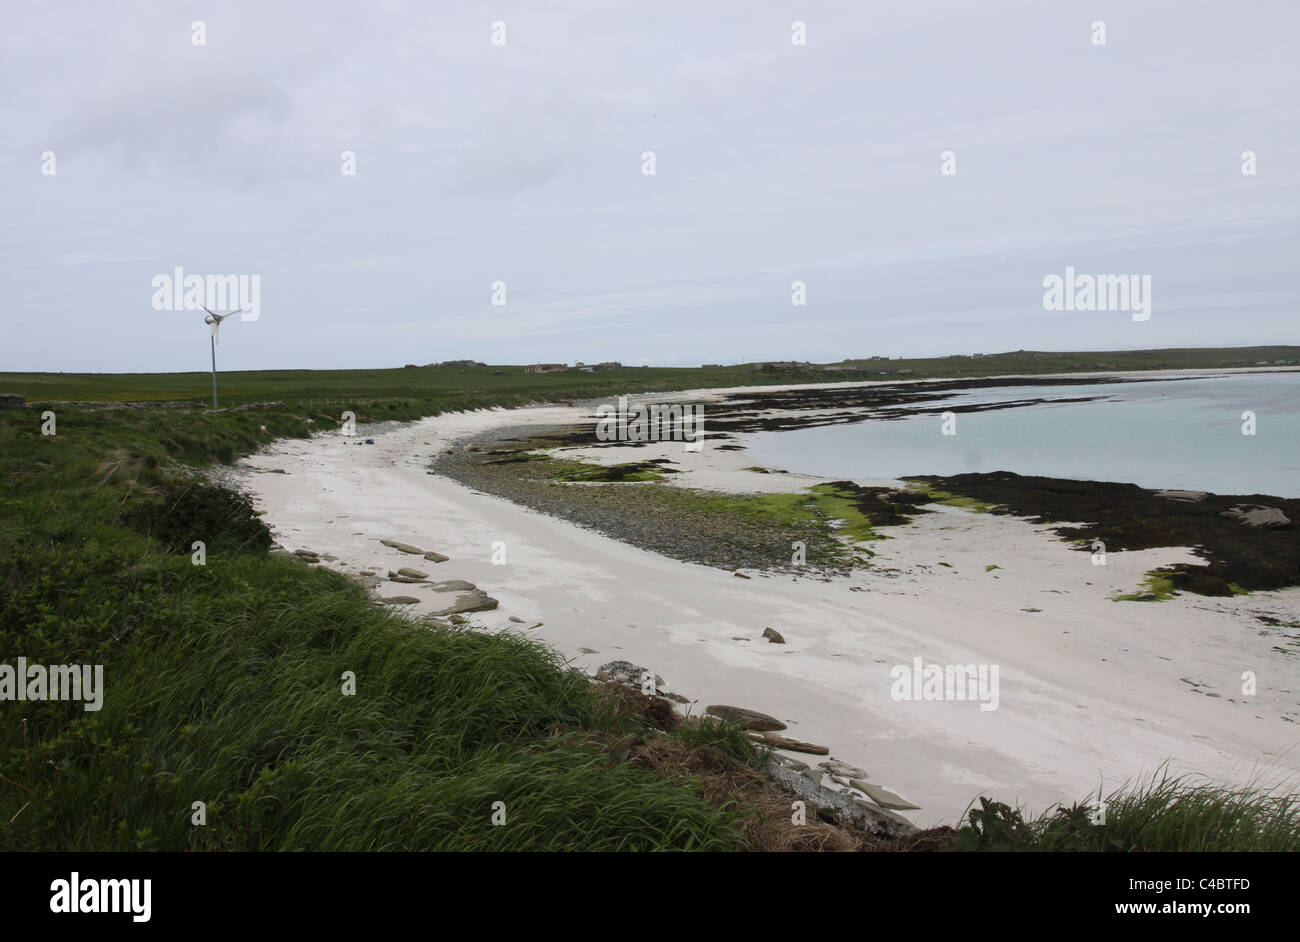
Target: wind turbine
214, 321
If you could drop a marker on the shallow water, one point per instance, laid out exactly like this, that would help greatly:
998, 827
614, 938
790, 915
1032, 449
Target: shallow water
1185, 433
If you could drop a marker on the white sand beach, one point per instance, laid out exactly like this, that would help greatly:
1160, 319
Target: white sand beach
1092, 692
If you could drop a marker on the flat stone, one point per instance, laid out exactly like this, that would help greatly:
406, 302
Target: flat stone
1190, 497
412, 573
398, 600
403, 547
793, 745
886, 799
396, 578
436, 557
475, 601
746, 719
773, 636
840, 768
454, 585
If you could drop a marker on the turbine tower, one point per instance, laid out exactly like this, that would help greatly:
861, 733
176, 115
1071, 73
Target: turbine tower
214, 321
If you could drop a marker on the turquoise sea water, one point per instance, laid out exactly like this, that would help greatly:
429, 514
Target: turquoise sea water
1170, 433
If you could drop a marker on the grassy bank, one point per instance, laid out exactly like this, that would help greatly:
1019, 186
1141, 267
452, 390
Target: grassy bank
224, 682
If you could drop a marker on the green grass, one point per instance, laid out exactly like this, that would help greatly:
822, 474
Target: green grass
1158, 589
1163, 813
948, 497
817, 506
1033, 362
331, 389
223, 682
582, 472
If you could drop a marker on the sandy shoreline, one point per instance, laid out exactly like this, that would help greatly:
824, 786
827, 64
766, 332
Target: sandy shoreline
1092, 692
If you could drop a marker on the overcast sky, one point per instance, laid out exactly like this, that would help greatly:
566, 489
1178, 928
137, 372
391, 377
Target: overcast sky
522, 163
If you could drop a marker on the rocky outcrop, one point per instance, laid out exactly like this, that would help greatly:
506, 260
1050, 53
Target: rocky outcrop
858, 812
625, 672
1256, 515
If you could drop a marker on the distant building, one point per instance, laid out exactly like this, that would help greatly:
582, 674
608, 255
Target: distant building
608, 365
546, 368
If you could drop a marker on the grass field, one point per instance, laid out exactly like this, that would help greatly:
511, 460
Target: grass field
330, 388
511, 385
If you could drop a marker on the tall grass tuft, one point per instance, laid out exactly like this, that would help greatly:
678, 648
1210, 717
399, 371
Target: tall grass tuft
1164, 812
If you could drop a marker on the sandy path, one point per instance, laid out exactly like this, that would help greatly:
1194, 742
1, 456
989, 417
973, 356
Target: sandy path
1091, 691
